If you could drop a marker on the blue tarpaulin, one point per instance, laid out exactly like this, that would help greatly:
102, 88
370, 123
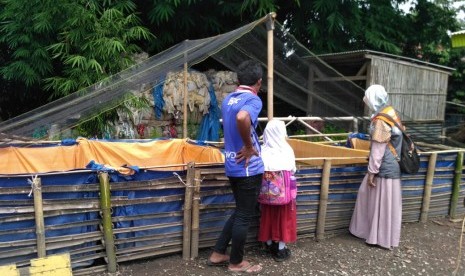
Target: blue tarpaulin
210, 125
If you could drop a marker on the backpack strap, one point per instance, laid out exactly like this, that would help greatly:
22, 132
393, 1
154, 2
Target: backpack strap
389, 115
389, 120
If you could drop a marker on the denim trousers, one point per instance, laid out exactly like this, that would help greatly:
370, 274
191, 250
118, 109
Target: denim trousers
245, 190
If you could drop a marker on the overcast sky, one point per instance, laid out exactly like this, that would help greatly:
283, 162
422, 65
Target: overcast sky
461, 14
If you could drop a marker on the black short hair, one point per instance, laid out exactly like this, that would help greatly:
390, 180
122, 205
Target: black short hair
249, 72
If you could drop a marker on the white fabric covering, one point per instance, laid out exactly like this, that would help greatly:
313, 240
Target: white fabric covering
277, 154
375, 97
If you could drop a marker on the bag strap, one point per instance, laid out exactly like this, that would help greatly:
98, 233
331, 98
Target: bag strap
389, 117
391, 120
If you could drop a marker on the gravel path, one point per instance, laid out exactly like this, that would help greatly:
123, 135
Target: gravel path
426, 249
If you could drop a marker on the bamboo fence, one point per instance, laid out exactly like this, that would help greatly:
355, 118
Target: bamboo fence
104, 223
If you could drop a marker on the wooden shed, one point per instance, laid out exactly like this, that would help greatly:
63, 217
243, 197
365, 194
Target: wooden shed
417, 89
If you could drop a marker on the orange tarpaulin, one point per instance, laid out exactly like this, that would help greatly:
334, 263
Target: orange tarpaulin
21, 160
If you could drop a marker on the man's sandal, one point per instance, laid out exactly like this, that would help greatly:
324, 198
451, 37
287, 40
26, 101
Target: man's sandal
249, 269
223, 263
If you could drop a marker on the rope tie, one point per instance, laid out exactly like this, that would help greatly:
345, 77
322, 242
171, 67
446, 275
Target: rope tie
32, 182
199, 198
180, 179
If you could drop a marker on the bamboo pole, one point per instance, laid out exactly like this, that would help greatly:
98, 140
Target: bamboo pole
184, 107
428, 187
270, 28
105, 205
195, 216
324, 190
355, 125
39, 217
186, 243
456, 185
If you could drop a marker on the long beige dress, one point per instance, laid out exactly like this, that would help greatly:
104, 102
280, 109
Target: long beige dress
378, 210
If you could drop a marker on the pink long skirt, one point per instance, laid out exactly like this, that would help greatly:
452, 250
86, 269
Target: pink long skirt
377, 216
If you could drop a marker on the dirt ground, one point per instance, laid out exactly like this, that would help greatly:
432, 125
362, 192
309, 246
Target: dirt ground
431, 248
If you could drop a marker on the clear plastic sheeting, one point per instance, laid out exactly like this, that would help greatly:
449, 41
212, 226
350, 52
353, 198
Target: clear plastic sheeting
85, 104
301, 79
307, 84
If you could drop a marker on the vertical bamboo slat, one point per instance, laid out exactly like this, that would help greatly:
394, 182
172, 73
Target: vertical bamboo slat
195, 216
428, 187
456, 185
324, 190
186, 244
39, 217
105, 206
186, 98
270, 59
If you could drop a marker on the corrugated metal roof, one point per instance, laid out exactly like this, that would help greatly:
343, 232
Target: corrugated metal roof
357, 54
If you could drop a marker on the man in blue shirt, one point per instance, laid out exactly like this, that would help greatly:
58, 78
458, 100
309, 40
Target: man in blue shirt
243, 166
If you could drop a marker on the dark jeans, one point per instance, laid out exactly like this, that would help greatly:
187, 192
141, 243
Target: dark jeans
245, 190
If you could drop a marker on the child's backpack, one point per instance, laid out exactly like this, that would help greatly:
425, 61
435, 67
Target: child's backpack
278, 188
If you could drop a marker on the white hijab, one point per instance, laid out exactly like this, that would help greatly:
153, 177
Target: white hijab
276, 153
375, 97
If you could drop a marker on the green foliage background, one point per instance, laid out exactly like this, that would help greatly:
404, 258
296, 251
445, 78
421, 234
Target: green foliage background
49, 49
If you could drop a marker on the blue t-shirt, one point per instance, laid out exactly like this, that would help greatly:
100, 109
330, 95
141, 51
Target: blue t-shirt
232, 104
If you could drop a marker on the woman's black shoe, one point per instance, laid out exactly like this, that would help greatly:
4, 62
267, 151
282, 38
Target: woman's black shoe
282, 255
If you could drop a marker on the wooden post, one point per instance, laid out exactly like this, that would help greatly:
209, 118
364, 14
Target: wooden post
39, 217
195, 215
428, 187
186, 244
184, 107
456, 185
324, 191
105, 206
270, 51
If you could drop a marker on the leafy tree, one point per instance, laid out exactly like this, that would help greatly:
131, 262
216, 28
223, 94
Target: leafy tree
456, 81
95, 42
428, 39
326, 26
57, 48
26, 29
175, 20
426, 31
70, 44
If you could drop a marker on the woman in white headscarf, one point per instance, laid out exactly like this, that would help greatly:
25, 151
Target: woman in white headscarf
278, 223
378, 210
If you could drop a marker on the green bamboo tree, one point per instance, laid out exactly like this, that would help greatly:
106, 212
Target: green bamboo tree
96, 41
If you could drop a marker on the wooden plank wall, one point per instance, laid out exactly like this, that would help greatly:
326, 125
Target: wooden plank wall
417, 92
